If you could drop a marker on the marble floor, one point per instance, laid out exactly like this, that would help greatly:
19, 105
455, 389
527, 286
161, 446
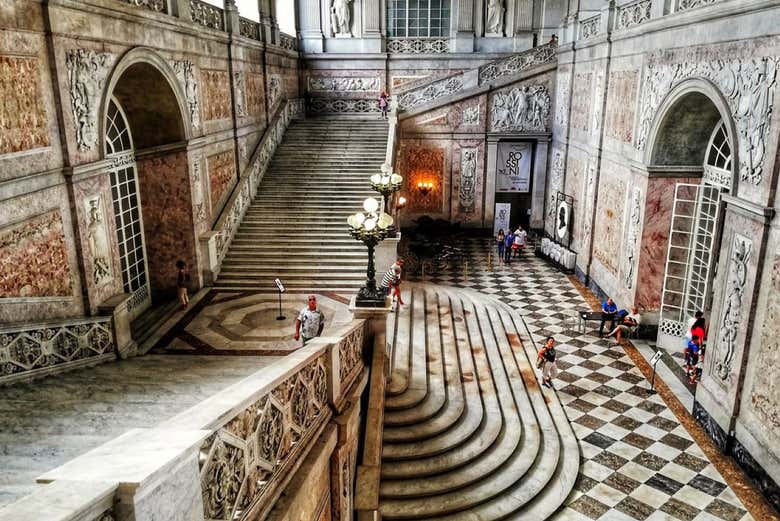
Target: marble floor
50, 421
638, 459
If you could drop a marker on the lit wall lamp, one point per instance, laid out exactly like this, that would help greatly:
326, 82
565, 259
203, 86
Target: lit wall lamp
425, 187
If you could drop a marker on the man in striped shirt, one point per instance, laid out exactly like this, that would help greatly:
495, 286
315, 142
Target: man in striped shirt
392, 280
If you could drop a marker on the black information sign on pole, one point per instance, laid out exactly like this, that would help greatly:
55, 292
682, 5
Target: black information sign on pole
280, 286
654, 362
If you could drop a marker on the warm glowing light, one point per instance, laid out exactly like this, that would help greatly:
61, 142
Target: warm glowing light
370, 205
401, 202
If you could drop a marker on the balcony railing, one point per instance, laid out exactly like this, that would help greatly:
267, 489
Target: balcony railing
590, 27
207, 15
417, 45
518, 63
288, 42
249, 28
633, 14
158, 6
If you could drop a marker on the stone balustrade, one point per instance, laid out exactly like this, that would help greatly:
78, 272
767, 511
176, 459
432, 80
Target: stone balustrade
228, 457
590, 27
288, 42
518, 63
417, 45
207, 15
249, 28
633, 14
158, 6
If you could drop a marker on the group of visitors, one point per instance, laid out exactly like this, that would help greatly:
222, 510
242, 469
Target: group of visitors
511, 244
622, 323
694, 347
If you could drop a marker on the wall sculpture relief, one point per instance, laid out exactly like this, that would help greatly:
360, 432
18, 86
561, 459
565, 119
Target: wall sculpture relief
562, 100
555, 185
765, 391
216, 94
471, 115
341, 18
609, 223
185, 73
34, 258
239, 88
468, 180
221, 168
23, 123
621, 103
87, 72
589, 192
254, 94
97, 238
747, 84
581, 98
197, 184
339, 84
494, 21
731, 310
632, 246
274, 89
522, 109
598, 96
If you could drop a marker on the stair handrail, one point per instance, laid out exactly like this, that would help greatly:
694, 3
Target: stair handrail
391, 150
267, 422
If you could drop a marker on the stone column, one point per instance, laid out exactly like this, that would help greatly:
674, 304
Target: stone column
372, 24
490, 182
464, 35
524, 24
310, 21
268, 25
537, 193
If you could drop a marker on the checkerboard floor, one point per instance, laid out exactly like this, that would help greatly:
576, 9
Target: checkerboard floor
638, 461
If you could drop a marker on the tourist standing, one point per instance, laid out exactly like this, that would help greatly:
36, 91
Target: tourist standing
509, 240
519, 243
500, 243
391, 281
182, 277
608, 312
384, 103
547, 357
310, 321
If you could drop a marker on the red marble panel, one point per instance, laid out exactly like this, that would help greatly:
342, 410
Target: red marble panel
23, 124
621, 105
222, 173
34, 258
216, 94
419, 164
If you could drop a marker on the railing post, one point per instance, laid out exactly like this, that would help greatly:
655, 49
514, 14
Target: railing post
232, 18
181, 9
116, 306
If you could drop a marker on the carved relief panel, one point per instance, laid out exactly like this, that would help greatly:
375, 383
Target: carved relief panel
23, 120
185, 73
239, 88
521, 109
631, 253
581, 102
621, 105
216, 95
255, 93
100, 251
87, 72
221, 168
562, 99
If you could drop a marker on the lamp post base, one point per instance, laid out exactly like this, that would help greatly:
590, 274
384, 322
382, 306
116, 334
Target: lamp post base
370, 298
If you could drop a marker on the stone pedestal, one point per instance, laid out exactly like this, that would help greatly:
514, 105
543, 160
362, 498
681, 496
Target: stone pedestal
464, 41
116, 306
385, 255
209, 258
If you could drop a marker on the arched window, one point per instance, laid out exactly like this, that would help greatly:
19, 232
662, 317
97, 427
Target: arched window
717, 161
418, 18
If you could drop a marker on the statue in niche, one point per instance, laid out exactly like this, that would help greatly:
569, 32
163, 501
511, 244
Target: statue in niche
341, 18
495, 18
98, 243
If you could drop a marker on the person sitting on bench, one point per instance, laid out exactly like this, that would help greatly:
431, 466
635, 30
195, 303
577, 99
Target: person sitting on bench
629, 323
608, 312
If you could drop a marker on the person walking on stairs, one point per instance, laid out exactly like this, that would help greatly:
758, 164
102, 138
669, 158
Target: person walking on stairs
384, 104
391, 282
546, 362
310, 321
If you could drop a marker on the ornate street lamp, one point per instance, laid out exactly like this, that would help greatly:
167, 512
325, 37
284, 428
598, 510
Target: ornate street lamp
386, 183
370, 227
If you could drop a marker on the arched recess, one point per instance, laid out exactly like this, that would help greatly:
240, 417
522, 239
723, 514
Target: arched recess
692, 163
144, 88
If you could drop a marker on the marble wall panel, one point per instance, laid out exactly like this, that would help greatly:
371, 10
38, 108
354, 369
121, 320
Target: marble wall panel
562, 93
169, 229
621, 105
23, 118
34, 258
581, 102
555, 183
222, 175
468, 167
346, 83
575, 186
255, 95
608, 230
216, 94
425, 161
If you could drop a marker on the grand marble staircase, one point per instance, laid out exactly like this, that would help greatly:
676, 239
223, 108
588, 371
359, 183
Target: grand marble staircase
296, 227
469, 433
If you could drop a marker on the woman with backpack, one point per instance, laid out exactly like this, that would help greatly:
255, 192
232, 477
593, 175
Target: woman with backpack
546, 362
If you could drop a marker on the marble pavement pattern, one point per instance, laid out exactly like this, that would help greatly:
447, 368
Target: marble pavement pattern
638, 462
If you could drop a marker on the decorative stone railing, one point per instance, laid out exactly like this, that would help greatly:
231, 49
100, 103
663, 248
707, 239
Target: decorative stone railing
215, 243
249, 28
684, 5
228, 457
288, 42
39, 349
431, 92
417, 45
207, 15
342, 106
633, 14
158, 6
518, 63
590, 27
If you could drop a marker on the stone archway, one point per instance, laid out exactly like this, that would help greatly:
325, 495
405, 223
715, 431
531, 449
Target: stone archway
683, 227
144, 89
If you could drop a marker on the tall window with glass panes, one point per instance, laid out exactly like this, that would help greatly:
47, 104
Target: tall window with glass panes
418, 18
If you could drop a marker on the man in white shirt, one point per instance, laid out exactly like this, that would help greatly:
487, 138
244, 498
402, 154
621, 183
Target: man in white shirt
630, 323
310, 321
519, 244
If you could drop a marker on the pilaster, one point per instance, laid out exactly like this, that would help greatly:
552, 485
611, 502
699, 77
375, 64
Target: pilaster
490, 182
372, 23
539, 183
464, 35
310, 20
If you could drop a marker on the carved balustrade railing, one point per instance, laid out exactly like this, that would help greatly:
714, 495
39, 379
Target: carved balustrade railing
288, 42
249, 28
518, 63
342, 106
39, 349
207, 15
431, 92
684, 5
417, 45
158, 6
590, 27
216, 242
633, 14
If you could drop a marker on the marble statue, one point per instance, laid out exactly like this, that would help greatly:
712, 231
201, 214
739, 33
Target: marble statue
494, 24
98, 242
185, 73
341, 18
468, 178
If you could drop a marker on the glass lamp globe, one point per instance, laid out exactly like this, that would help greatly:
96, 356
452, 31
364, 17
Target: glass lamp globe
396, 179
376, 178
384, 221
370, 224
370, 205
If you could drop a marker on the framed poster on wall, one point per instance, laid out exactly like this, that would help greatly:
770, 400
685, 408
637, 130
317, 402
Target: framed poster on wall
501, 219
513, 167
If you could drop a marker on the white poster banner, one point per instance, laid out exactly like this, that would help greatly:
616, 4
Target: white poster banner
513, 167
501, 219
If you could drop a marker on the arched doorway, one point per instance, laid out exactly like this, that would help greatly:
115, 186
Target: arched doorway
145, 131
693, 132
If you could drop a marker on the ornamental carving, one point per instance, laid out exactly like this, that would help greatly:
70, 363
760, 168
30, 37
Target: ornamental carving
556, 185
24, 124
562, 100
731, 312
87, 72
765, 391
684, 5
239, 87
207, 15
522, 109
350, 355
634, 220
185, 73
338, 84
417, 45
430, 92
468, 180
158, 6
343, 106
216, 94
494, 21
590, 27
274, 89
590, 186
518, 63
747, 84
97, 238
633, 14
341, 18
471, 115
621, 105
